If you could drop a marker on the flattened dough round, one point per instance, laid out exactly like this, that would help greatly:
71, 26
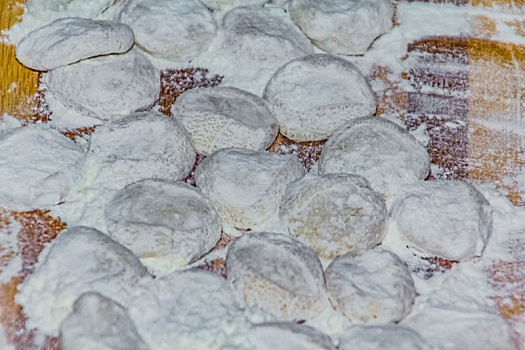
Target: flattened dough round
381, 337
314, 95
277, 274
225, 117
50, 10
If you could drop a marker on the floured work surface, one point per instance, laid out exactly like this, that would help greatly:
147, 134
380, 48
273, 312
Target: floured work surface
453, 70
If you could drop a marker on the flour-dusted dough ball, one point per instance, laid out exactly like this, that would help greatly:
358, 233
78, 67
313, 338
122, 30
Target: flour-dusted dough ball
376, 148
97, 322
246, 186
382, 337
106, 85
288, 336
225, 117
167, 224
449, 219
335, 213
79, 260
38, 167
191, 310
314, 95
70, 40
224, 5
172, 29
374, 287
49, 10
342, 26
278, 274
138, 146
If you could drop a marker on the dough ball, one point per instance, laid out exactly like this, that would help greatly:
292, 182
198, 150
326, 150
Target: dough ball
335, 213
288, 336
341, 26
38, 167
314, 95
224, 5
376, 148
225, 117
97, 322
104, 86
277, 274
374, 287
382, 337
49, 10
166, 224
247, 186
172, 29
191, 310
79, 260
138, 146
448, 219
70, 40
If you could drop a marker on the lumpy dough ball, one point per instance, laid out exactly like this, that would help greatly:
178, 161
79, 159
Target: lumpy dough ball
166, 224
104, 86
277, 274
172, 29
79, 260
314, 95
225, 117
224, 5
335, 213
97, 322
382, 337
289, 336
247, 186
374, 287
377, 149
49, 10
342, 26
448, 219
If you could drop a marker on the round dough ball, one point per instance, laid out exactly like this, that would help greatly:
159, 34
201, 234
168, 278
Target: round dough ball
224, 5
172, 29
138, 146
288, 336
38, 167
277, 274
225, 117
49, 10
374, 287
335, 213
376, 148
106, 85
444, 218
184, 310
247, 186
97, 322
70, 40
166, 224
79, 260
341, 26
314, 95
381, 337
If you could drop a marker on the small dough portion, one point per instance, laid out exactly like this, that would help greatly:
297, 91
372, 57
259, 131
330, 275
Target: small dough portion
374, 287
191, 309
177, 30
97, 322
444, 218
314, 95
105, 86
49, 10
278, 274
378, 149
225, 117
335, 213
70, 40
382, 337
225, 5
288, 336
79, 260
341, 26
166, 224
38, 167
247, 186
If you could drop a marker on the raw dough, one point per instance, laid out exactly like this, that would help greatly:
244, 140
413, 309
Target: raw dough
277, 274
335, 213
70, 40
382, 337
224, 5
166, 224
314, 95
225, 117
49, 10
288, 336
